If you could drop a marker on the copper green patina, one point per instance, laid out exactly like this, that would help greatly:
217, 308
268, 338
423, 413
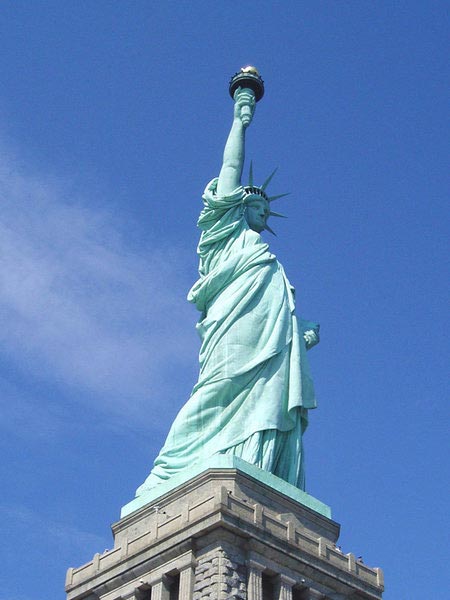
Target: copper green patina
254, 389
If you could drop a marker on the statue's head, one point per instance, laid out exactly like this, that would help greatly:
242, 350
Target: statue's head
257, 211
257, 204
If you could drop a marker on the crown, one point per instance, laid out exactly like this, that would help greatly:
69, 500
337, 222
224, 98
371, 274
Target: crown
254, 190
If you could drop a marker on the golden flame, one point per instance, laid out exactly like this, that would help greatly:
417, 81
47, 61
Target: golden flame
250, 69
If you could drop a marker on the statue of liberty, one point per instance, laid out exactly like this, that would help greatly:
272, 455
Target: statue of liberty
254, 388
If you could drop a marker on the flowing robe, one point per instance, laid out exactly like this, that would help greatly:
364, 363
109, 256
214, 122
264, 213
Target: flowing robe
254, 387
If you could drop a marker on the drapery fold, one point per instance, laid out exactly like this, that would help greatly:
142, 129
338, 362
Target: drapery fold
254, 375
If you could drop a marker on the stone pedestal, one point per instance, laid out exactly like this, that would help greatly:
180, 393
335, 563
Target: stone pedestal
225, 533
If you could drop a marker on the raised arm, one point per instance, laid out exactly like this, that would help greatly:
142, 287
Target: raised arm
234, 153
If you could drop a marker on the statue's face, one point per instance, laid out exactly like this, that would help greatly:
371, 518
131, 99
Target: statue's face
257, 214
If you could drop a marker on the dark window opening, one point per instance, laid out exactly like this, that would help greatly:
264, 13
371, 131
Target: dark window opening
268, 589
299, 594
174, 589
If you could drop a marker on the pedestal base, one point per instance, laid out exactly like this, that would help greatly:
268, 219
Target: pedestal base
226, 532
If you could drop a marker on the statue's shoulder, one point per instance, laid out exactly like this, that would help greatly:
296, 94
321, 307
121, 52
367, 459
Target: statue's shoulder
220, 211
230, 200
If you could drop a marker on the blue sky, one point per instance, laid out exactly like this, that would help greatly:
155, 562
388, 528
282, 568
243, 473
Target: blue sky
113, 117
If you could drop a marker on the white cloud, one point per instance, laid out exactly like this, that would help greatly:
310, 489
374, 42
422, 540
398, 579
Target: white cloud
79, 306
56, 534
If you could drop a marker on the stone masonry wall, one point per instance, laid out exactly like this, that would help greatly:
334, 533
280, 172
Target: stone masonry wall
220, 574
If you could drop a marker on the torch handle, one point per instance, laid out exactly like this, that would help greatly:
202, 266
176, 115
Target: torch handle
245, 97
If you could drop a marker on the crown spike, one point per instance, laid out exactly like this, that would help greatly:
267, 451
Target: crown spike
275, 214
270, 230
269, 179
272, 198
250, 174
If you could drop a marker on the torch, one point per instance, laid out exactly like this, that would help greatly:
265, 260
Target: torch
248, 79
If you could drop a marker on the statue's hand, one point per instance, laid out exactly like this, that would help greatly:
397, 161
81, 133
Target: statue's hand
244, 105
311, 337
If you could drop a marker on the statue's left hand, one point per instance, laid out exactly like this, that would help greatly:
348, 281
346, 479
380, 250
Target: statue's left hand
311, 337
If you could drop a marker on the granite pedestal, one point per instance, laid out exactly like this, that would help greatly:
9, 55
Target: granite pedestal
225, 531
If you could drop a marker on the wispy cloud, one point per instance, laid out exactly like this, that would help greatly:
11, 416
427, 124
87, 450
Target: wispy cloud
56, 534
81, 307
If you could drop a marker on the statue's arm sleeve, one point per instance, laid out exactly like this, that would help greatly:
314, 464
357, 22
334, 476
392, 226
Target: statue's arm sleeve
233, 160
234, 153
